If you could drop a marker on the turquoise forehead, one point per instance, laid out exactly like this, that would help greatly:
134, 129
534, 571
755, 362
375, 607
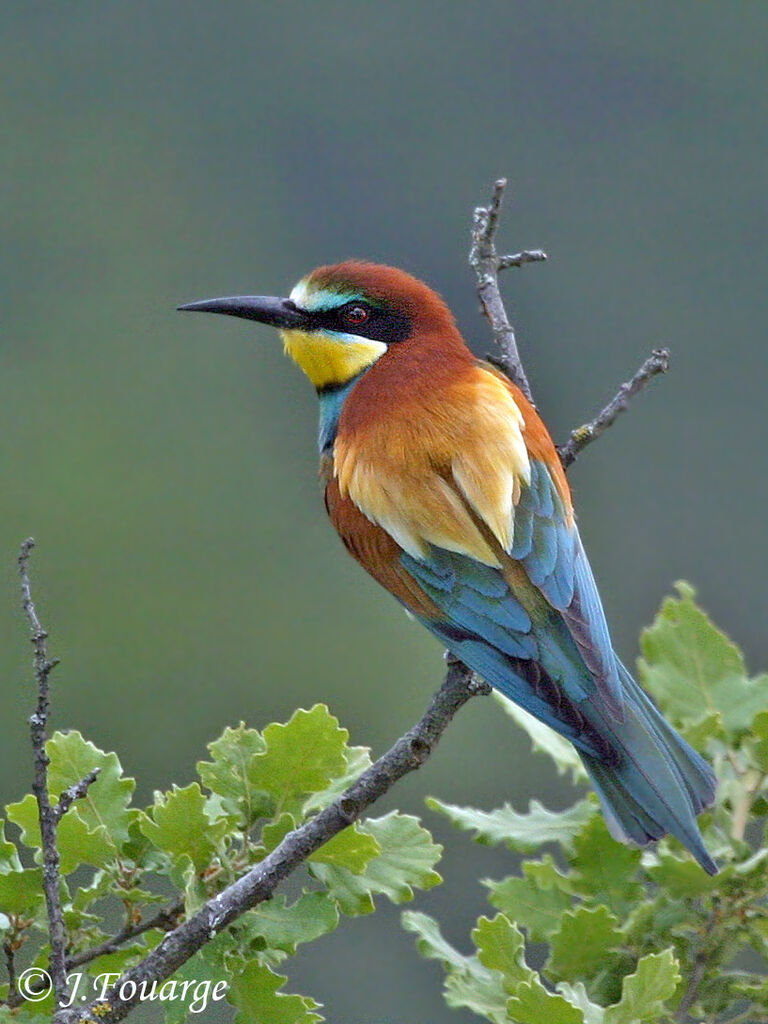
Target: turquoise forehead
315, 299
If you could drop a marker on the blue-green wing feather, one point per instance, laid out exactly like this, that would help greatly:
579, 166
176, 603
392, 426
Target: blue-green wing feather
560, 666
556, 563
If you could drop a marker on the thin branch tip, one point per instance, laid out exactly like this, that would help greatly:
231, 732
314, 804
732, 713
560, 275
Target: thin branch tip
657, 363
486, 264
75, 792
48, 816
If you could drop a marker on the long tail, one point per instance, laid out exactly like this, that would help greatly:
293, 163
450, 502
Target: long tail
657, 783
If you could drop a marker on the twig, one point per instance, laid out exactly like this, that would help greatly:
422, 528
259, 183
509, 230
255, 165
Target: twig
656, 363
700, 964
74, 792
486, 264
47, 815
519, 258
164, 919
10, 963
407, 754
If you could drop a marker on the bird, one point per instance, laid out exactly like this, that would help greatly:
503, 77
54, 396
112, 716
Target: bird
443, 482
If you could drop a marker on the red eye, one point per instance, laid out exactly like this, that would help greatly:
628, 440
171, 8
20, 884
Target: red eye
356, 315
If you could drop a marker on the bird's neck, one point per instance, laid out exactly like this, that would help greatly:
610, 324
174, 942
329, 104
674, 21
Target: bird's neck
332, 400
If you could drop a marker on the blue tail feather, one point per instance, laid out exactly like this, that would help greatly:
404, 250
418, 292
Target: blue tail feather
649, 780
658, 783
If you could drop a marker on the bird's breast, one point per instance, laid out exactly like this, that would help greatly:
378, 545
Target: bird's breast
441, 467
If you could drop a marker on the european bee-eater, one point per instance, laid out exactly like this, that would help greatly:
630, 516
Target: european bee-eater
444, 484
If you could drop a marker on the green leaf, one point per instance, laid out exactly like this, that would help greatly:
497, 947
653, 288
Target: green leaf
274, 832
522, 832
357, 759
604, 869
24, 813
353, 893
228, 774
501, 947
21, 892
407, 859
468, 984
545, 740
700, 732
680, 878
301, 757
100, 885
537, 901
758, 742
9, 855
645, 992
576, 994
430, 942
694, 670
583, 943
24, 1016
201, 994
79, 844
352, 849
285, 926
478, 990
254, 993
105, 805
533, 1004
180, 826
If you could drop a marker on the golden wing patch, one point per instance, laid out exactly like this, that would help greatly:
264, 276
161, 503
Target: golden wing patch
427, 469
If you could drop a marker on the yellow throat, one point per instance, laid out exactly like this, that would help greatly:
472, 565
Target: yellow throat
331, 359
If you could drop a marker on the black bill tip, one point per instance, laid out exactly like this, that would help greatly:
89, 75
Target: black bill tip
264, 309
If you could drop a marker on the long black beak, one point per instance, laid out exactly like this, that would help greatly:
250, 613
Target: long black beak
266, 309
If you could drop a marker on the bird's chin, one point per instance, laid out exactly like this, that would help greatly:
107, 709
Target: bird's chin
331, 360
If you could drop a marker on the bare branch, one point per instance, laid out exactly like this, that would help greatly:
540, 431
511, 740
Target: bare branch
656, 363
486, 264
407, 754
164, 920
10, 963
47, 815
519, 258
75, 792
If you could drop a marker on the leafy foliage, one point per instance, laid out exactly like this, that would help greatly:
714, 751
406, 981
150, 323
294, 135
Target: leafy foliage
630, 936
193, 841
621, 936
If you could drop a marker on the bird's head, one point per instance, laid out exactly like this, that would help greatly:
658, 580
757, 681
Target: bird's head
339, 320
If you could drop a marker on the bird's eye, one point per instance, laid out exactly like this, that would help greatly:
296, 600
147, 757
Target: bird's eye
355, 315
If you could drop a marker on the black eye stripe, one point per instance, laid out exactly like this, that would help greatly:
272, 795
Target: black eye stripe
387, 325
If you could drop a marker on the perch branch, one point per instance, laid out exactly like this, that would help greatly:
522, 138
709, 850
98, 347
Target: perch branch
47, 815
407, 754
656, 363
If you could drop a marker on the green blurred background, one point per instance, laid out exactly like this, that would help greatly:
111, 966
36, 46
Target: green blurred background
159, 152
